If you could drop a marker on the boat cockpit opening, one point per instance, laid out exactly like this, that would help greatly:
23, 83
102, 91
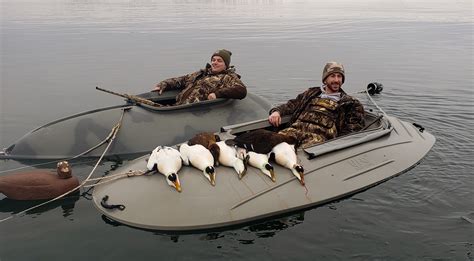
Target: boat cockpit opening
377, 124
168, 101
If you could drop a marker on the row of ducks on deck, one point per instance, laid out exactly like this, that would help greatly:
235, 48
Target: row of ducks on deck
205, 151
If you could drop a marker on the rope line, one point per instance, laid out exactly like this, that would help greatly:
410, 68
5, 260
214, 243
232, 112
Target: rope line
73, 157
378, 107
109, 140
108, 179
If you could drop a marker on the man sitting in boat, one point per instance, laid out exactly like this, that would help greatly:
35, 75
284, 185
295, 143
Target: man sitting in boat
217, 80
321, 113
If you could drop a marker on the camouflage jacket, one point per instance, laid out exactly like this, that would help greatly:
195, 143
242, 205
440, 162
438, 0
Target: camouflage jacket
198, 85
327, 118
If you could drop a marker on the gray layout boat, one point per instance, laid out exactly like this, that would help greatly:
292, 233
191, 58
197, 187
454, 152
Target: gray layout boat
333, 170
141, 128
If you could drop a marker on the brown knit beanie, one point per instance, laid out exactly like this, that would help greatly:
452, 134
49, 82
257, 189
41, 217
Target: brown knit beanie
224, 54
333, 67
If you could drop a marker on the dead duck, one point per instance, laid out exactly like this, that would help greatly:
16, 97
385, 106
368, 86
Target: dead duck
167, 161
260, 140
284, 154
199, 157
260, 161
39, 184
228, 157
208, 140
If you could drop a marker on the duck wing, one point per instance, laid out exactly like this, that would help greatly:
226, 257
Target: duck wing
261, 140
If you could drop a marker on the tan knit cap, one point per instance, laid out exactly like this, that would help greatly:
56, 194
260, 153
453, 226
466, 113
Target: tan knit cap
333, 67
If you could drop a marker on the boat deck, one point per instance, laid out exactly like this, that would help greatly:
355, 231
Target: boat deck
150, 203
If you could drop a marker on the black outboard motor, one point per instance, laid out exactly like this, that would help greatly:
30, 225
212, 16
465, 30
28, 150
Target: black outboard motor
374, 88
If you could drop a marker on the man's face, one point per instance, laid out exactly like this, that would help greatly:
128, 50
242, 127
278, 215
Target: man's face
333, 82
217, 64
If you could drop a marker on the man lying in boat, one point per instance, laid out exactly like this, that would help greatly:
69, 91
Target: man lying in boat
321, 113
217, 80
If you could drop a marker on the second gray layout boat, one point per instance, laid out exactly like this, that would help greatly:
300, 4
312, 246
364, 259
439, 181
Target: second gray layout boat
141, 127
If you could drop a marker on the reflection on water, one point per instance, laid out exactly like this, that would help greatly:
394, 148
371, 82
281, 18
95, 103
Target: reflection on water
67, 204
271, 227
258, 229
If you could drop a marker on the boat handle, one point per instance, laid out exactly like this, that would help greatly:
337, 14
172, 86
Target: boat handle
420, 128
106, 205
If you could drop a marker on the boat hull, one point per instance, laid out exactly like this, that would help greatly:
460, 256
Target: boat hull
151, 204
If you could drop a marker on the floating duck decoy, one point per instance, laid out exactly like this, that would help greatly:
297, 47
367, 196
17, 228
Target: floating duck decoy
168, 162
39, 184
260, 140
208, 140
201, 158
285, 155
260, 161
228, 157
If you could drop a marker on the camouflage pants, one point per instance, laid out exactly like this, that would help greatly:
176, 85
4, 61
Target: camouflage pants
306, 139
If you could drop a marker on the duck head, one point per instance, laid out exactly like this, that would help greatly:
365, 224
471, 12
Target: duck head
173, 180
298, 171
241, 167
64, 170
268, 170
210, 173
245, 163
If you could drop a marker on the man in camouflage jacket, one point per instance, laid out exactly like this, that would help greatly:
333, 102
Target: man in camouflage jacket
217, 80
321, 113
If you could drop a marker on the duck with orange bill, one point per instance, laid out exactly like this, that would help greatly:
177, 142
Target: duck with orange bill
208, 140
167, 161
228, 157
201, 158
260, 161
285, 155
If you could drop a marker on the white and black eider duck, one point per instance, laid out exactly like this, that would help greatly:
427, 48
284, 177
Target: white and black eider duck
228, 157
208, 140
201, 158
260, 161
284, 154
168, 162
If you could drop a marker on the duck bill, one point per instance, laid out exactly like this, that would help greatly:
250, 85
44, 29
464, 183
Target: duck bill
301, 178
242, 174
177, 186
272, 175
212, 178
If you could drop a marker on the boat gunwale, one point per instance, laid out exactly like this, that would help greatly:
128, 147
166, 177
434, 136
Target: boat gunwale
384, 128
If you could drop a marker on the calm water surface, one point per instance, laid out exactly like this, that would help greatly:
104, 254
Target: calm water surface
53, 54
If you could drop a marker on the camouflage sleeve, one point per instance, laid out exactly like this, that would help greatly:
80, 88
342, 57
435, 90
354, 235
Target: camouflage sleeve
351, 117
176, 83
289, 107
232, 88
